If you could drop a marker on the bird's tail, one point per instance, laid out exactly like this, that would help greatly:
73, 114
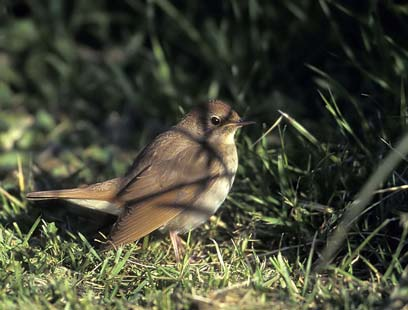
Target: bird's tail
99, 196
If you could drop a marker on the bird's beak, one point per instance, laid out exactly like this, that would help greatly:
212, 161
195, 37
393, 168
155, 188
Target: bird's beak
242, 123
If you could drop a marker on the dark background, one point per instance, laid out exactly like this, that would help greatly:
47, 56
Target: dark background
140, 61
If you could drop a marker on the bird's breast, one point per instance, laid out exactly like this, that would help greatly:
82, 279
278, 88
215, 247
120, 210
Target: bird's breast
210, 199
218, 191
213, 198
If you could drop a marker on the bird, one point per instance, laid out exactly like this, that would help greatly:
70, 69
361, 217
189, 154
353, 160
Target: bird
175, 183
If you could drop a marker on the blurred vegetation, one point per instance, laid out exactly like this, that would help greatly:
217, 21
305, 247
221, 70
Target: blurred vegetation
85, 84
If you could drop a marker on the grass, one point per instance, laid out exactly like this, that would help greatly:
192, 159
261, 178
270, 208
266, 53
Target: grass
317, 217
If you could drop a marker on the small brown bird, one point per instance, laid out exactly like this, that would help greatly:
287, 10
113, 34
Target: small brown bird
176, 183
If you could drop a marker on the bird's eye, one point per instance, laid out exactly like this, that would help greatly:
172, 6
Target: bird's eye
215, 120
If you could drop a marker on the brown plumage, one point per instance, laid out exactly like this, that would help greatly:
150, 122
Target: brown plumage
176, 183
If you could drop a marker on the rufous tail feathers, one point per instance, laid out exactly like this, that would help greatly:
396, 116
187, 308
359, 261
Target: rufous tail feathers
99, 196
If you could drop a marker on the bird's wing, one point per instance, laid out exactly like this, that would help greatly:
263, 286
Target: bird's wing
162, 186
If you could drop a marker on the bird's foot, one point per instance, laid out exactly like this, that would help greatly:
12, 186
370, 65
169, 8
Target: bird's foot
178, 245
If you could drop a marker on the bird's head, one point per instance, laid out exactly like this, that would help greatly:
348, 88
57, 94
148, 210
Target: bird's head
214, 122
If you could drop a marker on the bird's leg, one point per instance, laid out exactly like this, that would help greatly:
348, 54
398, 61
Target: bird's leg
177, 245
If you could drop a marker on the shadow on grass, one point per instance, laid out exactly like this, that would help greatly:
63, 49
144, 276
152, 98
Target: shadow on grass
67, 217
